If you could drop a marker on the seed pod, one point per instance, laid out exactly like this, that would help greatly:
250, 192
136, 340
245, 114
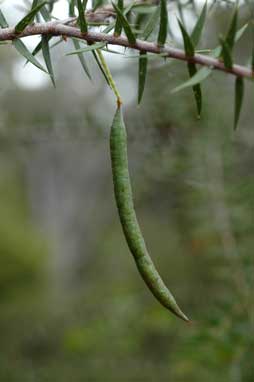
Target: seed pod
131, 229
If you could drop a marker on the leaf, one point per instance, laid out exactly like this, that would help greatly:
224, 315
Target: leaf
38, 47
34, 4
180, 11
188, 45
197, 31
45, 14
239, 93
118, 25
196, 88
216, 52
226, 54
163, 31
100, 67
81, 58
28, 19
82, 19
126, 26
47, 57
142, 71
88, 48
96, 4
3, 21
144, 8
252, 56
240, 32
51, 5
59, 41
200, 76
112, 51
151, 24
152, 56
44, 11
72, 8
230, 37
125, 12
190, 51
22, 49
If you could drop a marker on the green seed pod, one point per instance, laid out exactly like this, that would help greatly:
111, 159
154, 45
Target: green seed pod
131, 229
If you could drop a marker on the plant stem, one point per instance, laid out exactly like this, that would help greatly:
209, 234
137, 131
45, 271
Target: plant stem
57, 28
109, 77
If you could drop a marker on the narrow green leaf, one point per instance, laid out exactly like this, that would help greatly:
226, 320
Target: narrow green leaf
45, 13
82, 58
180, 11
100, 67
196, 88
96, 4
226, 54
230, 37
36, 50
51, 5
82, 19
239, 93
38, 47
118, 25
197, 31
28, 19
163, 31
144, 8
188, 45
240, 32
252, 57
190, 51
125, 12
47, 57
72, 8
142, 71
88, 48
34, 4
3, 22
200, 76
152, 56
126, 26
22, 49
151, 24
112, 51
59, 41
216, 52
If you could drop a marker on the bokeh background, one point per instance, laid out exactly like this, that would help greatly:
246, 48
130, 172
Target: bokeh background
72, 304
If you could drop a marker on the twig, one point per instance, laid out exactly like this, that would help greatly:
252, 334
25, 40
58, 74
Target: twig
58, 28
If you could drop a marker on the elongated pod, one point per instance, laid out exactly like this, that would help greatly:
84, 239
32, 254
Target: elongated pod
132, 232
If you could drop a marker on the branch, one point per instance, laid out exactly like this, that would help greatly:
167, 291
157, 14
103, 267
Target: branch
58, 28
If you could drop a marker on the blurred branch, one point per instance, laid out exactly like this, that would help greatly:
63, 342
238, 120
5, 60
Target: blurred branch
59, 28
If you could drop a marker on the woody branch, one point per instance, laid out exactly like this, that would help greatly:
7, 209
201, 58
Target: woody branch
59, 28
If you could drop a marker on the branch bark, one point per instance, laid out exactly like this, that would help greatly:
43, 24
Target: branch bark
59, 28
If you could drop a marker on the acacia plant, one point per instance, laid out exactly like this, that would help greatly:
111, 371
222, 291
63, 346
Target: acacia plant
142, 26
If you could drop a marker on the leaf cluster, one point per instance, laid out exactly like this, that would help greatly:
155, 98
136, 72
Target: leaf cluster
143, 21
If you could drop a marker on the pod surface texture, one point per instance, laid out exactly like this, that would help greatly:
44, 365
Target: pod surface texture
129, 222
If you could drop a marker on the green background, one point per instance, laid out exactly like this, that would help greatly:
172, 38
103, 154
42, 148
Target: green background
72, 304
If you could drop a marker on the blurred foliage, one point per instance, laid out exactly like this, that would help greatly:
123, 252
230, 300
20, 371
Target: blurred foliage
73, 306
